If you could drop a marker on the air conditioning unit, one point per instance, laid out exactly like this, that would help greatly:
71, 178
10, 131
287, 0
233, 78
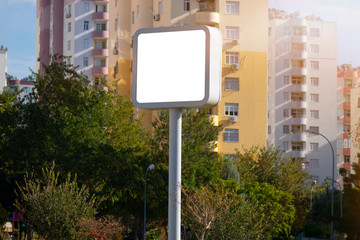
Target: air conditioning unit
232, 119
235, 42
115, 51
157, 17
235, 66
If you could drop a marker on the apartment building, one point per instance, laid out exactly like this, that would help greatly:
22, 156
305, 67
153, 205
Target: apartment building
78, 29
24, 84
302, 87
348, 114
98, 36
3, 68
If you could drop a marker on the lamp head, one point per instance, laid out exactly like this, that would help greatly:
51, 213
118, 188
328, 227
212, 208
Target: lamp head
151, 167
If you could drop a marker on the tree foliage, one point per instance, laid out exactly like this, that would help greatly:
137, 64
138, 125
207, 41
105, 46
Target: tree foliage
52, 208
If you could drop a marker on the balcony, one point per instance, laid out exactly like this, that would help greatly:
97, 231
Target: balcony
346, 105
299, 120
100, 52
100, 34
299, 87
346, 151
347, 166
298, 154
298, 71
347, 89
299, 22
346, 135
100, 70
298, 104
100, 16
207, 18
299, 38
299, 137
299, 54
346, 120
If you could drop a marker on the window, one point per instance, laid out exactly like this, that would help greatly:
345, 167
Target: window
161, 7
231, 7
69, 45
137, 10
346, 158
286, 113
286, 63
286, 129
69, 27
231, 109
297, 80
86, 61
314, 81
132, 17
314, 114
232, 33
339, 143
269, 31
116, 3
314, 65
314, 97
231, 135
314, 48
269, 129
314, 163
86, 25
298, 113
286, 96
231, 58
86, 43
231, 84
298, 146
100, 8
186, 5
86, 7
346, 143
99, 45
314, 129
314, 32
285, 146
297, 128
286, 47
314, 147
286, 80
26, 90
231, 156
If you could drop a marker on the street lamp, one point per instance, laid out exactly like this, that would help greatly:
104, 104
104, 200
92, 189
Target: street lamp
333, 180
341, 209
150, 167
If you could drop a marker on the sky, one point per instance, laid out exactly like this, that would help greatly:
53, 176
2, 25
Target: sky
18, 28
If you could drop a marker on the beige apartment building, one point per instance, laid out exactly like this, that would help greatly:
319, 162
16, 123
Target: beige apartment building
98, 37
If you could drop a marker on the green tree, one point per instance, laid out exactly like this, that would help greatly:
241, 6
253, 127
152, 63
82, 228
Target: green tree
53, 209
270, 166
200, 166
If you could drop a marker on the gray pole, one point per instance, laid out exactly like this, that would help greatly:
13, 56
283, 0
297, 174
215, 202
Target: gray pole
174, 205
150, 167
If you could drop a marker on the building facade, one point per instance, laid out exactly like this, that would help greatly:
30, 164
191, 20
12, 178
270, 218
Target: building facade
74, 28
108, 51
302, 88
3, 67
348, 115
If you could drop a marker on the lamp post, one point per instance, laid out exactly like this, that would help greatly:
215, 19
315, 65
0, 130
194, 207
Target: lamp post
333, 180
150, 167
341, 209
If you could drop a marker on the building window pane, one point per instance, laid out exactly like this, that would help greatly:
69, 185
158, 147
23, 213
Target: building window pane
314, 81
314, 147
314, 65
232, 33
231, 58
314, 48
286, 113
286, 80
314, 129
69, 45
231, 109
314, 163
231, 7
285, 146
286, 129
186, 5
314, 114
86, 43
86, 61
314, 32
286, 96
231, 135
69, 27
314, 97
86, 25
86, 7
231, 84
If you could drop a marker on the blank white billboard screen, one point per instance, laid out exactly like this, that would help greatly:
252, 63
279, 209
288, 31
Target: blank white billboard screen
171, 66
